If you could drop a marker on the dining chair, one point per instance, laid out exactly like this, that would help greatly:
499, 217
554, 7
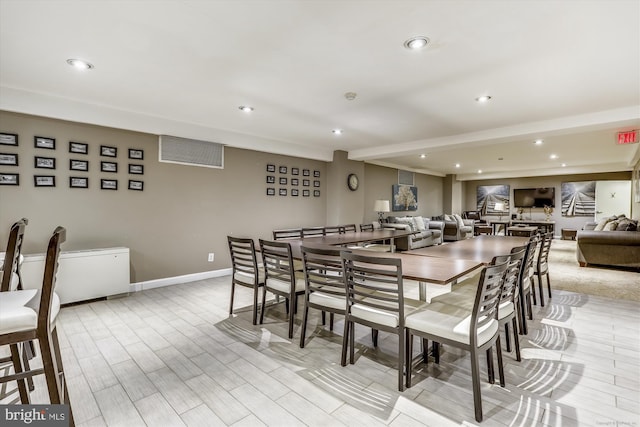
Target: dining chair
378, 246
289, 233
366, 227
281, 277
474, 330
524, 289
333, 229
312, 231
324, 285
246, 270
509, 308
347, 228
541, 265
375, 298
32, 314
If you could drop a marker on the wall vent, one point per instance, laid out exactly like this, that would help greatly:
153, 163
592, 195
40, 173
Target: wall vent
405, 177
193, 152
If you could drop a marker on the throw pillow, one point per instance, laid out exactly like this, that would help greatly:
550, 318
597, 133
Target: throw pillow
419, 223
602, 223
407, 221
458, 219
448, 217
611, 226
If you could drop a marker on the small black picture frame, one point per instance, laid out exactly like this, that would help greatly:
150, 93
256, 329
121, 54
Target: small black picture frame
271, 168
295, 171
78, 165
136, 153
78, 182
316, 193
283, 180
108, 184
78, 147
8, 159
136, 185
44, 162
271, 191
305, 193
282, 169
44, 180
306, 182
108, 151
316, 174
136, 169
8, 139
44, 142
294, 192
295, 181
271, 179
111, 167
9, 178
305, 172
316, 184
282, 192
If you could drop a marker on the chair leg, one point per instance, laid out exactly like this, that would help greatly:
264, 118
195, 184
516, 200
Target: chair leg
264, 301
539, 277
516, 341
324, 317
374, 337
255, 305
490, 371
62, 375
352, 342
548, 284
529, 307
17, 367
50, 366
304, 323
425, 350
27, 354
435, 350
233, 291
292, 313
331, 321
475, 380
345, 342
532, 287
408, 356
507, 341
500, 365
401, 357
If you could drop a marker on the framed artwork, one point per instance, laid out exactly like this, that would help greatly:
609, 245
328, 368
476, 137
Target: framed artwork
42, 142
316, 193
8, 159
44, 180
283, 169
135, 153
282, 192
295, 171
8, 139
316, 183
306, 182
108, 151
111, 167
271, 179
271, 168
78, 182
44, 162
283, 180
9, 179
316, 174
305, 172
488, 195
109, 184
78, 147
305, 193
136, 185
136, 169
294, 192
294, 181
271, 191
578, 198
404, 197
78, 165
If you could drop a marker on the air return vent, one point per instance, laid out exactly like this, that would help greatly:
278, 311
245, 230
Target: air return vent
191, 152
405, 177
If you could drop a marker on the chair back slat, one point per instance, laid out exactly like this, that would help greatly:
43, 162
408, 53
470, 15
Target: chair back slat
278, 260
289, 233
485, 308
323, 271
347, 228
312, 231
366, 227
333, 229
11, 266
243, 256
49, 278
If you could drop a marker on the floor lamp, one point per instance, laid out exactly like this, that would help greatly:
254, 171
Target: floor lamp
381, 206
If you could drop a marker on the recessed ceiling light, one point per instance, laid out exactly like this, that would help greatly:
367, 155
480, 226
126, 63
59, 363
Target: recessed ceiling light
564, 165
415, 43
246, 108
553, 156
457, 165
80, 64
537, 141
337, 131
423, 156
479, 170
483, 98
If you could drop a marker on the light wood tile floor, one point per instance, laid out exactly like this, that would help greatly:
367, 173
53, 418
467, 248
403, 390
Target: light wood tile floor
172, 357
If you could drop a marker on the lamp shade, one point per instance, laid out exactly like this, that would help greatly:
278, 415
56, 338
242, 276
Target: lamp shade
381, 206
499, 206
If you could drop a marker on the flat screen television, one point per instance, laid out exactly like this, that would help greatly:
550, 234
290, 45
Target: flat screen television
534, 197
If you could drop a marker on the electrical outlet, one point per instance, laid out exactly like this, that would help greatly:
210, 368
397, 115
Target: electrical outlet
210, 259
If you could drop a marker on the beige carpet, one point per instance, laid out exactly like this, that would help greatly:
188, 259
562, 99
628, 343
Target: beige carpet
567, 275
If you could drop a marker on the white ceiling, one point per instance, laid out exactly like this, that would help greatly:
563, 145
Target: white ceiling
564, 71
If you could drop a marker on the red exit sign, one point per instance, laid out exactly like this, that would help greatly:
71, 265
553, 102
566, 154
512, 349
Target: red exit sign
630, 137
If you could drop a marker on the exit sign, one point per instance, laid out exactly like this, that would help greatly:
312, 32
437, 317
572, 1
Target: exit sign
630, 137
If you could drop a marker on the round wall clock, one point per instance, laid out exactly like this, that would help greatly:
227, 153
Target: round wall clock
353, 182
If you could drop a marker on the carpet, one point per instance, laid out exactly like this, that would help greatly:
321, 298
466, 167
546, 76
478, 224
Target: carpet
567, 275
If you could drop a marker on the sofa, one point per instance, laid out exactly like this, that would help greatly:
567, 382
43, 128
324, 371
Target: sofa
600, 244
455, 227
425, 232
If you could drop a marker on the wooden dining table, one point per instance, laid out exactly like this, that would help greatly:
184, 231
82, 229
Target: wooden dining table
345, 239
480, 248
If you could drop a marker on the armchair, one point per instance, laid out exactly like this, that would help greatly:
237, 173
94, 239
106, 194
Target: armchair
456, 228
426, 232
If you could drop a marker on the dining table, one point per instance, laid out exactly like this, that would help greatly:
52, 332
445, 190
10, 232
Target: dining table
480, 248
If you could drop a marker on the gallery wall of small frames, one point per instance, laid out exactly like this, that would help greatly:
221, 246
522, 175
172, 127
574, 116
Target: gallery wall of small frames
78, 163
288, 181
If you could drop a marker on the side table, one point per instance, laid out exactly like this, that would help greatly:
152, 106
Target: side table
569, 233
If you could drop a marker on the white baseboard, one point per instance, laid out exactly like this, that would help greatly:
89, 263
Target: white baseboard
169, 281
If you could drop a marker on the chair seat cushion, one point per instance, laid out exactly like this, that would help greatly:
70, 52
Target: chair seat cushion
19, 310
505, 309
450, 322
248, 278
329, 301
384, 317
285, 286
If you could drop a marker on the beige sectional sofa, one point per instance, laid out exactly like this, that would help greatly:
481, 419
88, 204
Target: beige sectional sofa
426, 232
602, 245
